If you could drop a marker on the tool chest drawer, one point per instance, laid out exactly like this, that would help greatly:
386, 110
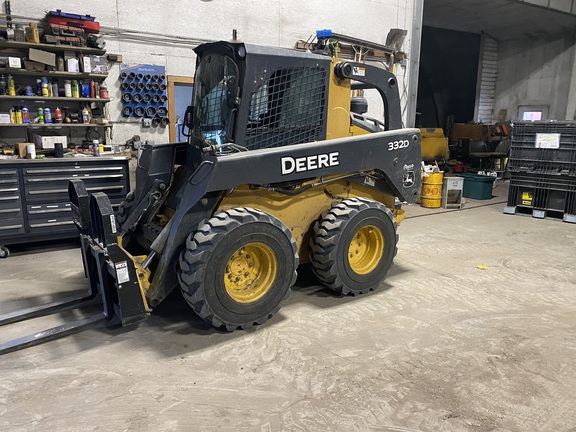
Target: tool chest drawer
51, 183
34, 203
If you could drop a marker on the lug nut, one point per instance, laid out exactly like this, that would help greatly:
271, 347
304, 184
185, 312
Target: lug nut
246, 274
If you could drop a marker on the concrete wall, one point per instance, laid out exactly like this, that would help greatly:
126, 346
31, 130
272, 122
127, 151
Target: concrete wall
536, 72
271, 22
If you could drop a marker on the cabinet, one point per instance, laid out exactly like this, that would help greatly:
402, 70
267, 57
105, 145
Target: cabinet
34, 203
71, 107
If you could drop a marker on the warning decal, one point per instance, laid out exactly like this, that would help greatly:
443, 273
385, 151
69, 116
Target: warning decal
527, 198
122, 273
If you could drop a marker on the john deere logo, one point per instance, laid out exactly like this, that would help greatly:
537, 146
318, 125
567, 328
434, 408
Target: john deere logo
309, 163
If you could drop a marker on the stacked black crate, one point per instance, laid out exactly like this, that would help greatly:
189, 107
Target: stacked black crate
543, 169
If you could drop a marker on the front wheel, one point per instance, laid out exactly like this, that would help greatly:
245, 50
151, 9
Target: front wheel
238, 268
353, 245
4, 252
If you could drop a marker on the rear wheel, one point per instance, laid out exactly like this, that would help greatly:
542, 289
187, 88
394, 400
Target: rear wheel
353, 245
124, 209
4, 252
238, 267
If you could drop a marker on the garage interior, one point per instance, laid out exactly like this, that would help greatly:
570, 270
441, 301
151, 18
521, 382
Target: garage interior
473, 327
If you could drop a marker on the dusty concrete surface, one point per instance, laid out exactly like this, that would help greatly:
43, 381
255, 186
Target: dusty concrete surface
442, 346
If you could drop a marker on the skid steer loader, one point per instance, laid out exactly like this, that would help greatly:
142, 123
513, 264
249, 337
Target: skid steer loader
276, 172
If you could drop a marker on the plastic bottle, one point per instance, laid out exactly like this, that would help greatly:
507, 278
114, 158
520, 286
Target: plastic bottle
58, 115
85, 116
92, 89
75, 90
41, 115
68, 88
11, 86
38, 87
44, 87
28, 91
47, 115
103, 93
60, 64
25, 115
3, 85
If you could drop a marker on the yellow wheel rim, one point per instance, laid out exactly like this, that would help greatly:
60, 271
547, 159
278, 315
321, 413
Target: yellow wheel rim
366, 249
250, 272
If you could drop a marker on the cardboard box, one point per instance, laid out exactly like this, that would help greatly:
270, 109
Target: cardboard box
72, 65
15, 62
34, 66
46, 141
22, 149
99, 64
86, 68
44, 57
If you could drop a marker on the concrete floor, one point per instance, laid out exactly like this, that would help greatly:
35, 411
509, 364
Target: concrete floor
442, 346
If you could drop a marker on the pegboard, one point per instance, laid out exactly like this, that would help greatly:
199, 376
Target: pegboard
144, 92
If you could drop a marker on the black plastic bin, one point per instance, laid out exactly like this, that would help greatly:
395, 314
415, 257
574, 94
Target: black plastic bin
526, 156
542, 195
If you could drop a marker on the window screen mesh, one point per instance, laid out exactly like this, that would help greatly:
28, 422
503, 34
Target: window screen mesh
287, 109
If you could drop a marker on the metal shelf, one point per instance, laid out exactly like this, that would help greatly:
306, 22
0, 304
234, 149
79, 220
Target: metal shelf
48, 99
54, 125
48, 74
49, 47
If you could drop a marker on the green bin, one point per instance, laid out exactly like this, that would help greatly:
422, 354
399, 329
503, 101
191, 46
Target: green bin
477, 186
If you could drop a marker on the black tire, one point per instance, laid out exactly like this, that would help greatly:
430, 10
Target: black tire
214, 252
124, 210
4, 252
332, 244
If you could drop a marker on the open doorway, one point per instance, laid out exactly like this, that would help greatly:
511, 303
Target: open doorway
447, 77
179, 98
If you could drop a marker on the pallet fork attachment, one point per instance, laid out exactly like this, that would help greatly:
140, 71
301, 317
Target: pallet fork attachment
110, 270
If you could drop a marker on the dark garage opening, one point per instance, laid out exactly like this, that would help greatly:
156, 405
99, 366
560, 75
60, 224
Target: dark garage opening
447, 77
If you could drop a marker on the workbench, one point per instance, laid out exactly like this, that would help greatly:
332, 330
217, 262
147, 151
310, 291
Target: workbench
34, 204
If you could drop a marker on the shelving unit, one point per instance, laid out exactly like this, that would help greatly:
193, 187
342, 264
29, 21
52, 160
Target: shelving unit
48, 47
56, 125
52, 99
53, 74
25, 77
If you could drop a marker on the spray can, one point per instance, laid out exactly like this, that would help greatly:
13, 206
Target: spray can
11, 86
47, 115
92, 89
58, 115
13, 118
96, 147
75, 90
25, 115
41, 115
68, 88
18, 115
85, 116
55, 87
38, 87
3, 85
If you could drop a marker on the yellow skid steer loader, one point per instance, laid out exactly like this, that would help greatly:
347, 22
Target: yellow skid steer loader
277, 171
